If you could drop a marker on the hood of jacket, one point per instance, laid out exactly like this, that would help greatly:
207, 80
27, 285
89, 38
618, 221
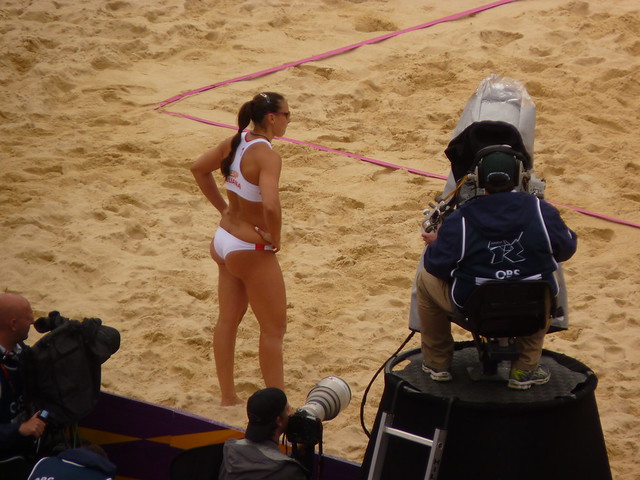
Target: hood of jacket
498, 214
89, 459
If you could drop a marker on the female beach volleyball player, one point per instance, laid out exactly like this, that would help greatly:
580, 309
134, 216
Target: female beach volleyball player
248, 237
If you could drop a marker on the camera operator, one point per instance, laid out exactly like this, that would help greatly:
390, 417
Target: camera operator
17, 431
257, 456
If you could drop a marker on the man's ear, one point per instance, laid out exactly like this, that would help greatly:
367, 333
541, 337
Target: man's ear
279, 421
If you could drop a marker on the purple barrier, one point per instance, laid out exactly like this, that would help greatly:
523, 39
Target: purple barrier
142, 438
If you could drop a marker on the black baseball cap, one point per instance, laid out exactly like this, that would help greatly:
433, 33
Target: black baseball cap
263, 407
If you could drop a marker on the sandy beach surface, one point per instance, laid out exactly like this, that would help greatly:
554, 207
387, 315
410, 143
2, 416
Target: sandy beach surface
101, 217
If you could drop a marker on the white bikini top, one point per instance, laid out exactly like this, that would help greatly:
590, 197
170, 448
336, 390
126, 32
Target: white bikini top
235, 181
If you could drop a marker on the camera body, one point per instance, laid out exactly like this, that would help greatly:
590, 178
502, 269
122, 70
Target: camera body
304, 428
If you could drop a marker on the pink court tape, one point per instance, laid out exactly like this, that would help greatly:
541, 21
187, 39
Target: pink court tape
161, 106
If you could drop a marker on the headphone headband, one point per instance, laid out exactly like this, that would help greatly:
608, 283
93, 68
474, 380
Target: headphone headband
483, 152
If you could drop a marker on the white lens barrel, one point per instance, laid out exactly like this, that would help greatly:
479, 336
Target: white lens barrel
328, 398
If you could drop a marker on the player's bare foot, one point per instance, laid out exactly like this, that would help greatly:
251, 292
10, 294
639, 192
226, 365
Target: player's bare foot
229, 402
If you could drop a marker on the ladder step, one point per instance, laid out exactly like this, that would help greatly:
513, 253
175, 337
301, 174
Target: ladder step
408, 436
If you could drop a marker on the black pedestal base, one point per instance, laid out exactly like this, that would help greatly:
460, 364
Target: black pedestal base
549, 432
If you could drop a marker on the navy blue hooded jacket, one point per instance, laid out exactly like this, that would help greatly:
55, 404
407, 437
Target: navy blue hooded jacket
501, 236
74, 464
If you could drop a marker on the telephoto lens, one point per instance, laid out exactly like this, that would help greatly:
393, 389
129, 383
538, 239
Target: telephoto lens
324, 402
328, 398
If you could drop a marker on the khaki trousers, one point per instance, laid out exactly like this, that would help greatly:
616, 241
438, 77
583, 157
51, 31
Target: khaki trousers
434, 307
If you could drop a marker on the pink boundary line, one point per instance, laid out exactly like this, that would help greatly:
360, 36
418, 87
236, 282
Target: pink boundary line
318, 147
333, 52
395, 167
598, 215
351, 155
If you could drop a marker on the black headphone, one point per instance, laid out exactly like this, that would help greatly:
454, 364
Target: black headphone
477, 166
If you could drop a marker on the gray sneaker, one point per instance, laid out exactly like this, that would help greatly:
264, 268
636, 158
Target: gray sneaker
437, 375
524, 379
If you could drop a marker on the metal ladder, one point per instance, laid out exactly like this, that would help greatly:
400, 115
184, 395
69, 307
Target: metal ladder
386, 428
382, 439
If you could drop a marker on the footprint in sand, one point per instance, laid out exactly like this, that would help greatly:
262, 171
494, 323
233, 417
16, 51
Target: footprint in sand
499, 38
374, 24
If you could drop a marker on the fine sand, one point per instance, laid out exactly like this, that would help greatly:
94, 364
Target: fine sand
101, 217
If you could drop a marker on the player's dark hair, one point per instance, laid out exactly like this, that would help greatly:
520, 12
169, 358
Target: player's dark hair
252, 111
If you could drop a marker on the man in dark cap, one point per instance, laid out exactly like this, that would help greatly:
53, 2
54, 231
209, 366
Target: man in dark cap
504, 235
257, 456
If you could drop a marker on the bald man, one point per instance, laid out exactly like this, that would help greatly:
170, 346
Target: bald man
17, 431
